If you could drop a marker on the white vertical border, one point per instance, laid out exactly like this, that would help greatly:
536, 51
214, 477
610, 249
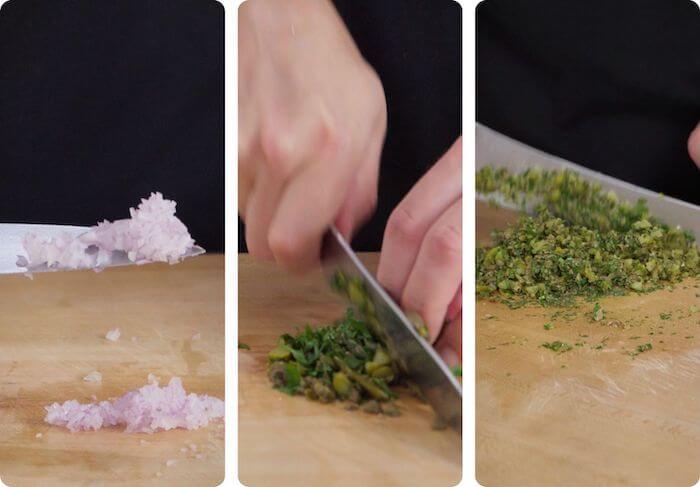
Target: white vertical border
2, 484
468, 242
231, 238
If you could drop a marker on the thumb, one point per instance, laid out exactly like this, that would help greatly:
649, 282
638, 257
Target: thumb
694, 145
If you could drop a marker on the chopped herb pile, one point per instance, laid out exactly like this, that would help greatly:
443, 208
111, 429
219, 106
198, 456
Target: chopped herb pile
581, 242
343, 361
243, 346
457, 370
566, 195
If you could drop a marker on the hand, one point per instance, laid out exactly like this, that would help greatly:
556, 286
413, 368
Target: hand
421, 258
311, 128
694, 145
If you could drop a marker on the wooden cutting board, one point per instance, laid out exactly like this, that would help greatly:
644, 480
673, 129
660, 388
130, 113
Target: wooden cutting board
292, 441
598, 414
52, 333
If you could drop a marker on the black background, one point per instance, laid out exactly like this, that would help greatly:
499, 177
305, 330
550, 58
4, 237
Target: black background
415, 47
613, 85
102, 102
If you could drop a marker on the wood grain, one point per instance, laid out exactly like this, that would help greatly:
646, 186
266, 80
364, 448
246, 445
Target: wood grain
52, 335
295, 442
589, 416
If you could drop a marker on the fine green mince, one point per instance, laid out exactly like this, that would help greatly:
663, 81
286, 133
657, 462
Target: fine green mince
557, 346
343, 361
581, 242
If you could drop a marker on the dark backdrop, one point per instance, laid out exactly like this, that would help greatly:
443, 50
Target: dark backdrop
415, 47
102, 102
613, 85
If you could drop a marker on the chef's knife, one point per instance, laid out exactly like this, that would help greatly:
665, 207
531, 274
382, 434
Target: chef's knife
497, 150
11, 249
412, 352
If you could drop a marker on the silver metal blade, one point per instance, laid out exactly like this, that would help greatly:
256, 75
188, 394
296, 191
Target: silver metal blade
11, 249
411, 351
11, 241
497, 150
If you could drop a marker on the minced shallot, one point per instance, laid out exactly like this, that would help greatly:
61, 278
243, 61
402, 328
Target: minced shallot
113, 335
94, 376
152, 234
146, 410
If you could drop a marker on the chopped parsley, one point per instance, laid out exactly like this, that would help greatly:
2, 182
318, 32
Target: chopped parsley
557, 346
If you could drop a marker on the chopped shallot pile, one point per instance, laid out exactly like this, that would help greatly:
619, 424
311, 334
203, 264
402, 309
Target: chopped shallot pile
146, 410
152, 234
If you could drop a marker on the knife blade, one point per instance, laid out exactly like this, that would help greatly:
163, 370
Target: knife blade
11, 248
497, 150
414, 355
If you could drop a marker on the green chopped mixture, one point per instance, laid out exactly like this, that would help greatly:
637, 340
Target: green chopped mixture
598, 312
243, 346
557, 346
343, 361
641, 349
581, 242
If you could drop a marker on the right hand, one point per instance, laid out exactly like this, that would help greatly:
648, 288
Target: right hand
311, 128
694, 145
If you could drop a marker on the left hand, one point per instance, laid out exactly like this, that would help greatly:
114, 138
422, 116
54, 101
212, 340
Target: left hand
421, 257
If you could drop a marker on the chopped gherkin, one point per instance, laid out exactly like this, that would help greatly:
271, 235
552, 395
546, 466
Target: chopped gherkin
581, 242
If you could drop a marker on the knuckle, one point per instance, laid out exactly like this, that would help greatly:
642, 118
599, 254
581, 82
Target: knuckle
374, 84
276, 147
375, 89
445, 243
334, 140
403, 226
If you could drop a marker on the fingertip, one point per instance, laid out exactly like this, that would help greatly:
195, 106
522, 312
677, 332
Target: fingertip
694, 145
344, 224
450, 357
257, 249
292, 251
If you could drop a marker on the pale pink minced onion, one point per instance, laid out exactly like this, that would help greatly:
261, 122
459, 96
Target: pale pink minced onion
113, 335
94, 376
146, 410
152, 234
